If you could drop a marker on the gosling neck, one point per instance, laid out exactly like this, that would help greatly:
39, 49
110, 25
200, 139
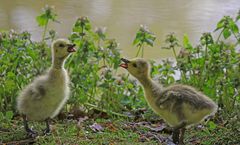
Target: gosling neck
58, 63
149, 85
145, 81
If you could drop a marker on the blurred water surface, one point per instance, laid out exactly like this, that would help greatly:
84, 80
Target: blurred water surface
123, 18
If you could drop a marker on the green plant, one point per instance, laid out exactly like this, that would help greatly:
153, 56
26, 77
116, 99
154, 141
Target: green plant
143, 36
43, 21
228, 27
172, 42
21, 59
213, 65
96, 85
6, 117
163, 71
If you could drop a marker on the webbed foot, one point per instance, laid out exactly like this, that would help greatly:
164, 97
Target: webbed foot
47, 131
31, 133
175, 136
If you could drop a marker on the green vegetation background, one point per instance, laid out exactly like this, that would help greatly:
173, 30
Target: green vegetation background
212, 66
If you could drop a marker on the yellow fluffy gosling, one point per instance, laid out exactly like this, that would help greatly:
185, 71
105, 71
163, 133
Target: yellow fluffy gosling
179, 105
46, 95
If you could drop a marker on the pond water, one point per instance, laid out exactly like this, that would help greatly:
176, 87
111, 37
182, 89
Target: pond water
123, 18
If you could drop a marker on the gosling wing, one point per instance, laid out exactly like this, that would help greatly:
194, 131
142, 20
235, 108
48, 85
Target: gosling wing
182, 94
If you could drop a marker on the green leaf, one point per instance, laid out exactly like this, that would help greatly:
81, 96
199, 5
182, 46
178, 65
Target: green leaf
10, 75
212, 125
226, 33
220, 25
77, 29
149, 42
1, 116
42, 20
238, 17
186, 42
10, 85
138, 38
234, 28
9, 115
87, 26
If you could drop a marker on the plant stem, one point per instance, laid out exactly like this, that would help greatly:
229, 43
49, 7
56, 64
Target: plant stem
206, 53
104, 61
174, 52
142, 51
82, 26
139, 48
105, 111
234, 98
219, 36
44, 31
204, 67
182, 73
236, 38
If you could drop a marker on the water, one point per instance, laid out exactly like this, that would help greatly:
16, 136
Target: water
123, 18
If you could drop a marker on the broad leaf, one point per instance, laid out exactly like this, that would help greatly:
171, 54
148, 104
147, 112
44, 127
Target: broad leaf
226, 33
42, 20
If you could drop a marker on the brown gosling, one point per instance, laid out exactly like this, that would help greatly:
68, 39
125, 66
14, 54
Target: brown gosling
179, 105
46, 95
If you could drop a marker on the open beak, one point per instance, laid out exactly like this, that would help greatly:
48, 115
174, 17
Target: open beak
71, 48
125, 64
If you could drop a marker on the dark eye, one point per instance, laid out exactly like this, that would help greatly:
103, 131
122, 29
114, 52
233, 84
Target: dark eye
134, 65
61, 45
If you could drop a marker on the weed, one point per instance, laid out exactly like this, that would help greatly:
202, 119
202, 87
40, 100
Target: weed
43, 20
21, 59
143, 37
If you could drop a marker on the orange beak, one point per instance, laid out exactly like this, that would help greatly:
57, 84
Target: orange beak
71, 48
125, 64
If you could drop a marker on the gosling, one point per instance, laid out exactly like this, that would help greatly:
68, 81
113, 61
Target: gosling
46, 95
179, 105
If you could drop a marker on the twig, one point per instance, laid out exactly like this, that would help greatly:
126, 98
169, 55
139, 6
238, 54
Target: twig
4, 130
24, 141
235, 97
139, 48
154, 135
219, 36
105, 111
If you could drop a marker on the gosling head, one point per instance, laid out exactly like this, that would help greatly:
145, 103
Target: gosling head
61, 48
137, 67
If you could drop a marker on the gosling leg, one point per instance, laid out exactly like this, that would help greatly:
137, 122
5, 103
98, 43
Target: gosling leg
175, 136
176, 132
30, 132
47, 130
181, 142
